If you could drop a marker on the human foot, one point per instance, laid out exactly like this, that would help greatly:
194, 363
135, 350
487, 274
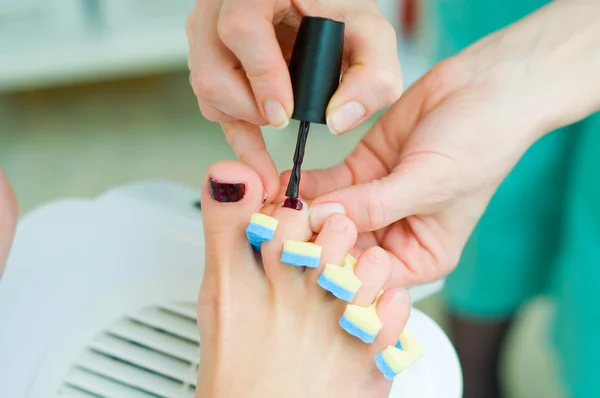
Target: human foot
267, 328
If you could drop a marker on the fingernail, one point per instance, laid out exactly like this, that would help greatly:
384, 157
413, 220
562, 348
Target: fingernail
321, 212
276, 114
225, 192
345, 117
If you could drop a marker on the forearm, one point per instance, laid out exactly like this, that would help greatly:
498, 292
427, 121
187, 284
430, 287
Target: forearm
556, 54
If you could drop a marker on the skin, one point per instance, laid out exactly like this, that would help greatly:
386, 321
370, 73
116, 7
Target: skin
421, 178
8, 219
254, 310
243, 46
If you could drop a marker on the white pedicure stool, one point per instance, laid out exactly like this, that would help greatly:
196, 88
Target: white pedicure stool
98, 300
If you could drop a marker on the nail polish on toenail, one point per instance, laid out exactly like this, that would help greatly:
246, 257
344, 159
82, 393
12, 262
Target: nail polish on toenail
293, 203
320, 213
226, 192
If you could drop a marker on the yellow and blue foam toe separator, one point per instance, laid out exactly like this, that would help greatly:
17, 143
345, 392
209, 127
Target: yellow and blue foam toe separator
362, 322
395, 359
261, 229
301, 254
340, 280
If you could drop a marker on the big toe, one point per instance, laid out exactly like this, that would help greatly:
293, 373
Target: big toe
231, 193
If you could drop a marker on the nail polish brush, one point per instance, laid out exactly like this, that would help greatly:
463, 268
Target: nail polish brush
315, 68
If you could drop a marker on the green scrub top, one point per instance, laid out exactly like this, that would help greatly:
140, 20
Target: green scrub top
541, 232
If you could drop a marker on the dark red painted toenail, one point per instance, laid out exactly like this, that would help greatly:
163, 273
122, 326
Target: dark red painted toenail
293, 203
226, 192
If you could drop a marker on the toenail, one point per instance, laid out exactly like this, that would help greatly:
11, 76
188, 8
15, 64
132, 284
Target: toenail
321, 212
374, 256
400, 298
337, 224
293, 203
225, 192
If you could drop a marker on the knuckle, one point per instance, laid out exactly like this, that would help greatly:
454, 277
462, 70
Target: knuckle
190, 25
374, 207
232, 24
384, 28
390, 81
203, 85
210, 113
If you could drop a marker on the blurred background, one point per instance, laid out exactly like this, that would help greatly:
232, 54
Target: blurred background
95, 93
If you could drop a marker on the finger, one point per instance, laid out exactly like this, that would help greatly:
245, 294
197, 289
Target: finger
376, 204
375, 155
8, 219
213, 114
249, 146
317, 182
374, 78
214, 76
246, 28
369, 166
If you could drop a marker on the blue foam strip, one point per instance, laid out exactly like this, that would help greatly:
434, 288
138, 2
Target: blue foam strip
259, 233
300, 260
383, 366
335, 289
255, 243
398, 345
355, 331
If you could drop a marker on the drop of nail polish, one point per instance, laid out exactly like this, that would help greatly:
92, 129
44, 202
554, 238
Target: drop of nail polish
293, 203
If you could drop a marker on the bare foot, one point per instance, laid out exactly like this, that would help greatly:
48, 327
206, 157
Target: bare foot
267, 328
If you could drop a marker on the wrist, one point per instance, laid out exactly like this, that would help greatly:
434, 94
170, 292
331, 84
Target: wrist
544, 67
567, 65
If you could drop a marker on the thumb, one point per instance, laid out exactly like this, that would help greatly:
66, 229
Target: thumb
415, 186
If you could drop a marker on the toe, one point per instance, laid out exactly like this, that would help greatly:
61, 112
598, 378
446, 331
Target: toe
337, 237
289, 244
393, 309
361, 319
232, 192
373, 269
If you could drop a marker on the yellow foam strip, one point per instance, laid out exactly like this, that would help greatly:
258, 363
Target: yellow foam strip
364, 318
411, 350
349, 262
264, 221
344, 277
304, 248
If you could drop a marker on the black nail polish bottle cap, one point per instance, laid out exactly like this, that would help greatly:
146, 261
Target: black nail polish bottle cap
315, 67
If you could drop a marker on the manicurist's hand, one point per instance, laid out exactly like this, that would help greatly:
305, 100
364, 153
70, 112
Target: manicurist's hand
421, 178
238, 61
8, 219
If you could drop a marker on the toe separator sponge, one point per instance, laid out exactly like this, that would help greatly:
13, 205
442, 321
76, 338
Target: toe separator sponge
301, 254
340, 280
362, 322
395, 359
261, 229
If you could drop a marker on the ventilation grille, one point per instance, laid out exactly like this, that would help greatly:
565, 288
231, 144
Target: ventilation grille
152, 353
